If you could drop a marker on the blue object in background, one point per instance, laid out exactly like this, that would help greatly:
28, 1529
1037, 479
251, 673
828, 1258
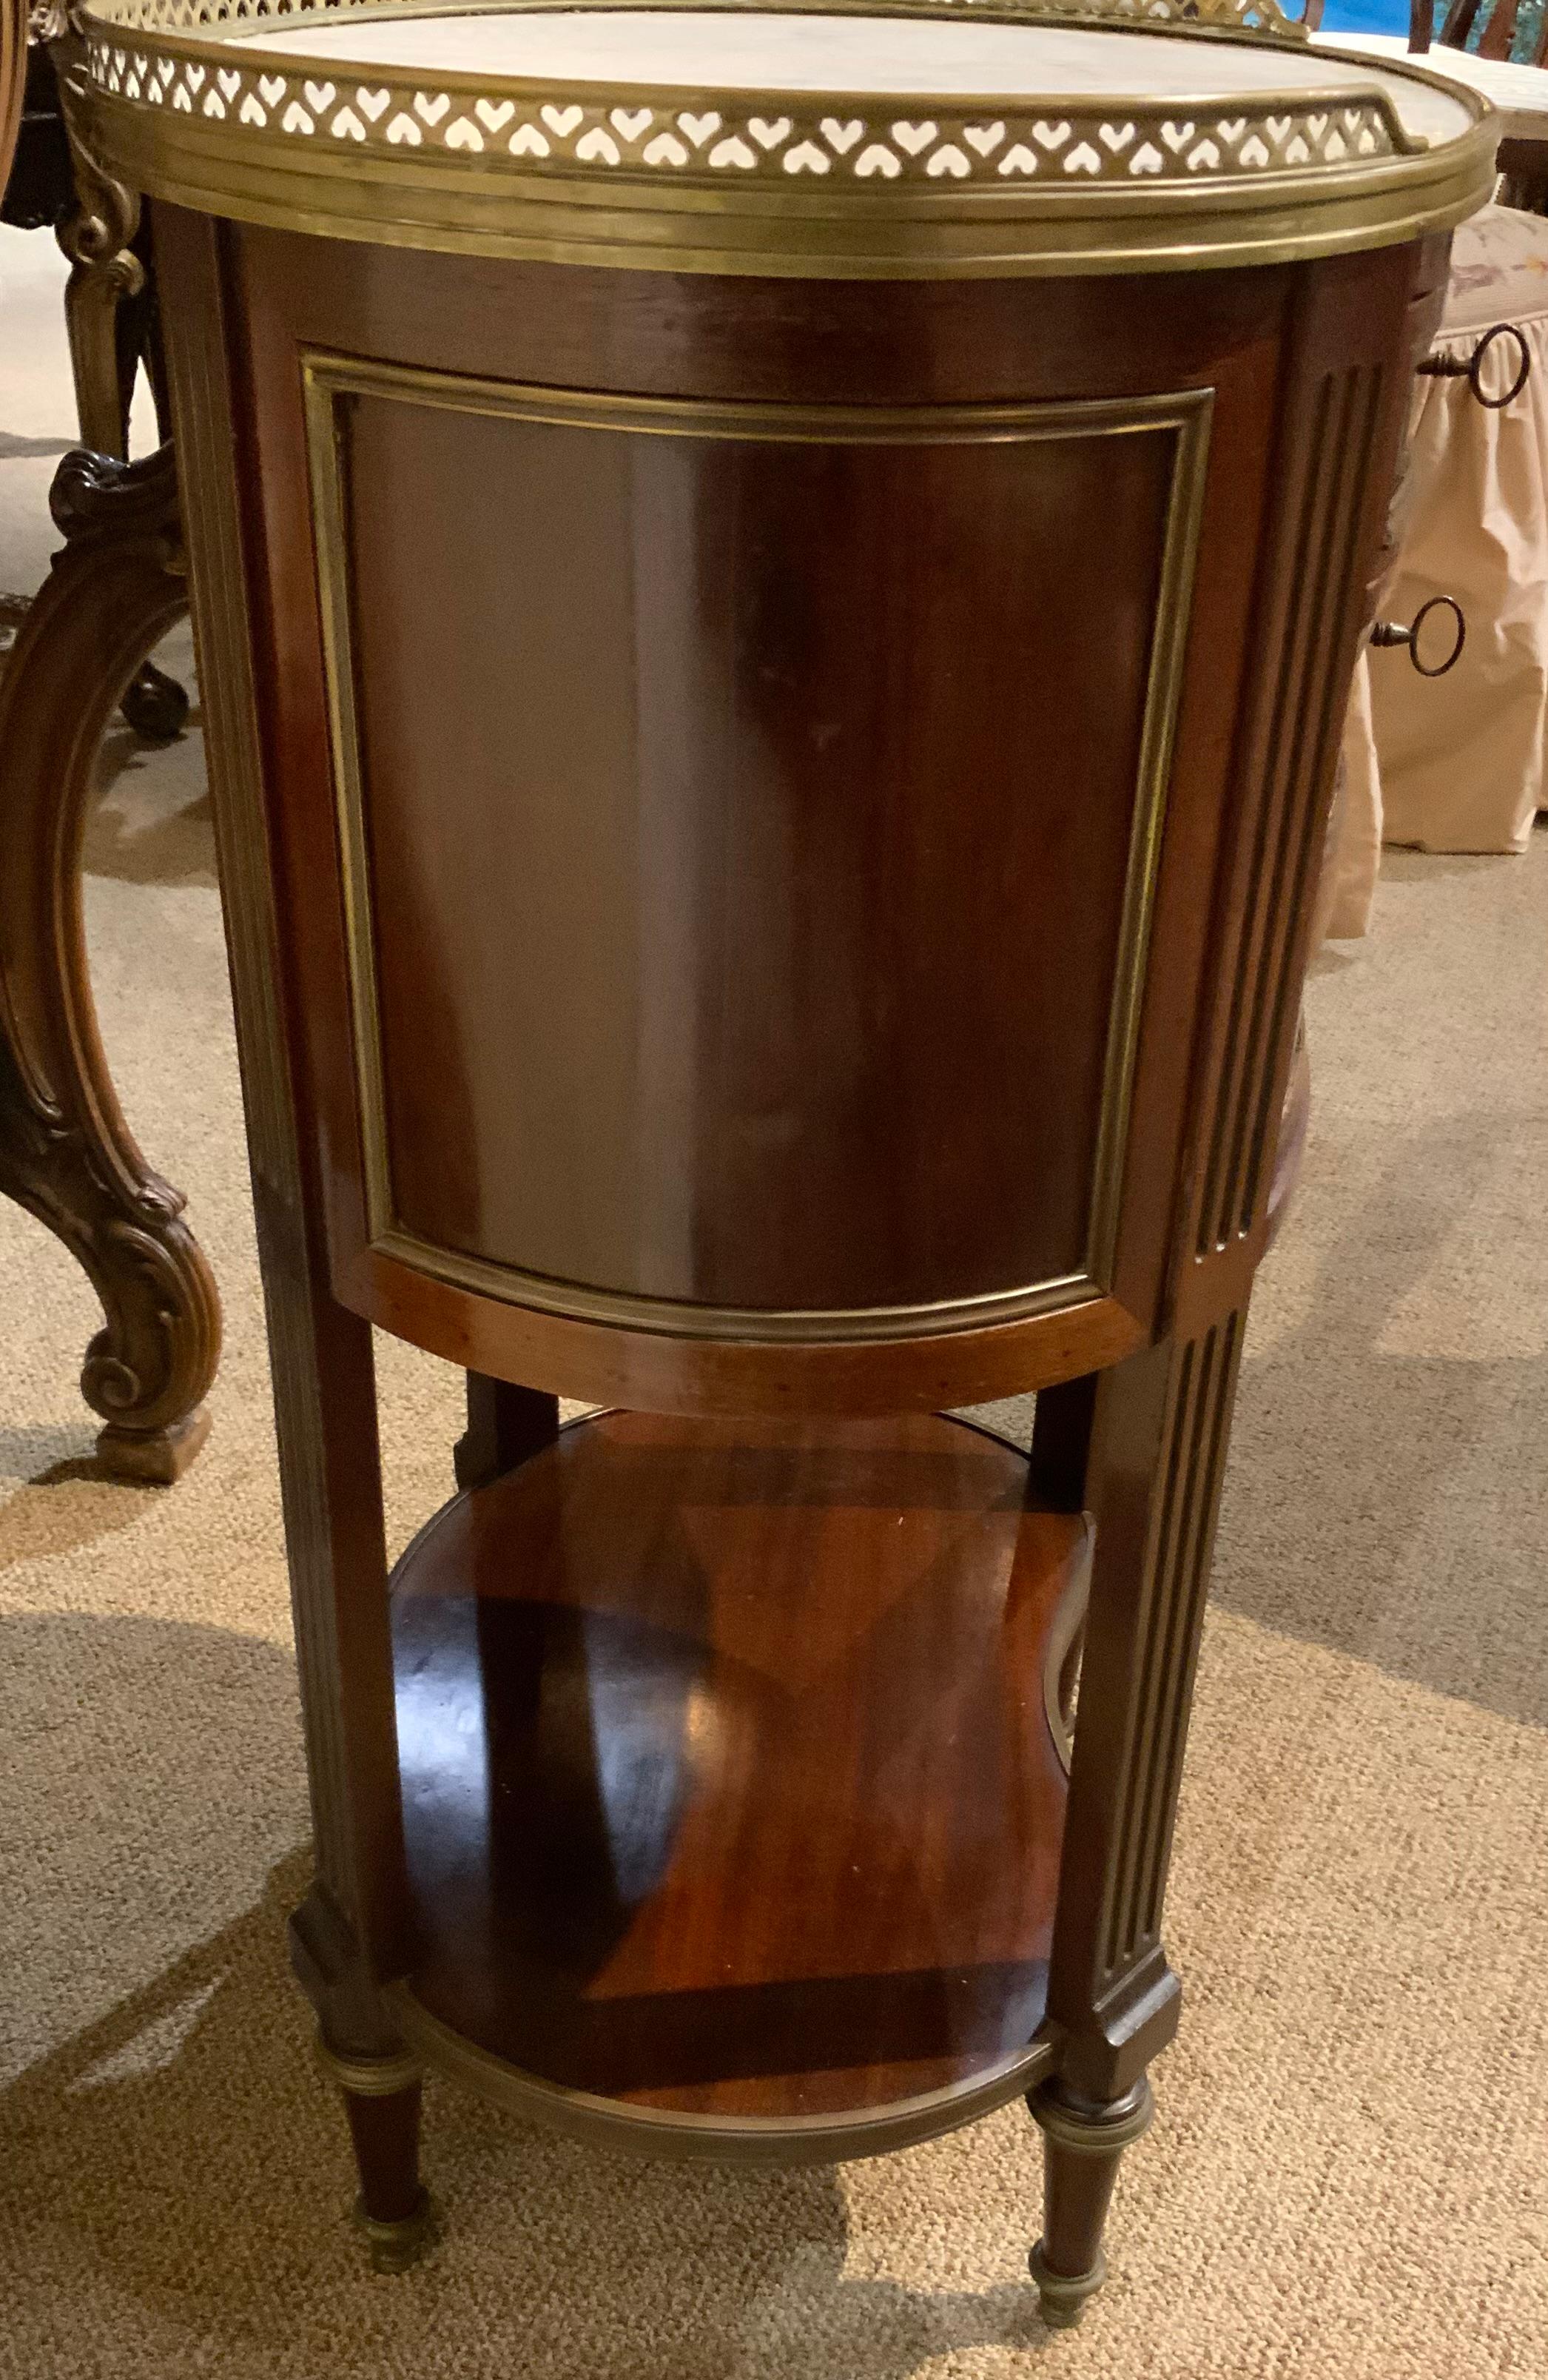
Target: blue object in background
1366, 17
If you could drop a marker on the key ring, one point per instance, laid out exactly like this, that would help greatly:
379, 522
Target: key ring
1391, 632
1453, 368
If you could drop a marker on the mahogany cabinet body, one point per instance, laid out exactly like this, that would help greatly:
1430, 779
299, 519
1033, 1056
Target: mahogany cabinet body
769, 830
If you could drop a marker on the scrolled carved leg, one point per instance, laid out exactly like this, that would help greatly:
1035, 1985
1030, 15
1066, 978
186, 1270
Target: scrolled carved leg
1084, 2140
381, 2100
66, 1151
111, 322
97, 237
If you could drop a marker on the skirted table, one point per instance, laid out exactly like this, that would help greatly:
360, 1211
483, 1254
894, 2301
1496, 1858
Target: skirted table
775, 593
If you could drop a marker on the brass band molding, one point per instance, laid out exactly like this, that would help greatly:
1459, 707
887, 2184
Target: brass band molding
327, 378
854, 183
723, 2139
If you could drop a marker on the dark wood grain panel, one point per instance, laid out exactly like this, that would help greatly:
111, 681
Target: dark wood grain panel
704, 340
730, 833
728, 1784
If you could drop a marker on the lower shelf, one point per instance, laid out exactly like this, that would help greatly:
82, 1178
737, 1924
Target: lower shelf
731, 1802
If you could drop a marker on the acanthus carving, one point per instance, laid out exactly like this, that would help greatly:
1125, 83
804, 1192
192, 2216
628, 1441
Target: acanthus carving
98, 234
66, 1151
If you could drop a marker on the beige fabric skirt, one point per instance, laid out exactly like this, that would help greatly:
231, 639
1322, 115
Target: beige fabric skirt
1456, 764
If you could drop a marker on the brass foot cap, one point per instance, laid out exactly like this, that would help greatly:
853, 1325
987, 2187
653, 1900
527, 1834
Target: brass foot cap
1061, 2297
397, 2245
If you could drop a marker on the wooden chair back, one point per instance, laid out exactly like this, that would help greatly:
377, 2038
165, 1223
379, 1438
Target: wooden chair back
1496, 40
13, 75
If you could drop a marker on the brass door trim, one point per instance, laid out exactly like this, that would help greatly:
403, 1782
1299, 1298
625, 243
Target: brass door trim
326, 378
723, 2140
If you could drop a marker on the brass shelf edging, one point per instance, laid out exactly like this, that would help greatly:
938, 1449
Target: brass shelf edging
721, 2140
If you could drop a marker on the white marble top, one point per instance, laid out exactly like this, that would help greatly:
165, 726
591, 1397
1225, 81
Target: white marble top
716, 50
1520, 93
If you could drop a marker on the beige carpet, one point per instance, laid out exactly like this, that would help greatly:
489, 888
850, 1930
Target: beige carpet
1349, 2176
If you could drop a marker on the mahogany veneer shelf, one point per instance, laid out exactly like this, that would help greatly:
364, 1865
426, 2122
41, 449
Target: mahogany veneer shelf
729, 1787
774, 666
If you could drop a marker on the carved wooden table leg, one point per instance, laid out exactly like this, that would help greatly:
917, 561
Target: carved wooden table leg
97, 237
65, 1152
110, 320
1085, 2140
1160, 1430
381, 2100
352, 1924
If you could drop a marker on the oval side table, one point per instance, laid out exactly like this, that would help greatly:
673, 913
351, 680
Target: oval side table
775, 594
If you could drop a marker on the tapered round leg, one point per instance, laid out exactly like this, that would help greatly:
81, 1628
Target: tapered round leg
381, 2100
1082, 2142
